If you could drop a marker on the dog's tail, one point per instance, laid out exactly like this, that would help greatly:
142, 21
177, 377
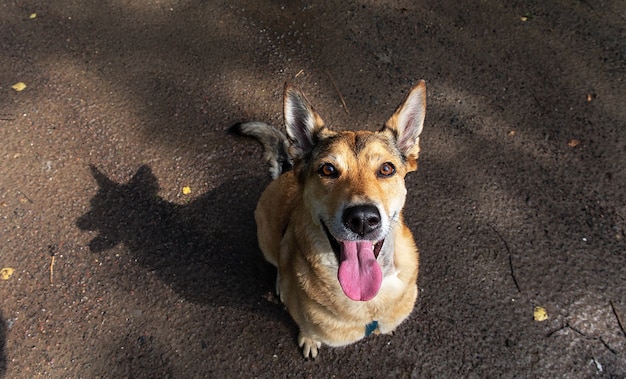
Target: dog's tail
274, 142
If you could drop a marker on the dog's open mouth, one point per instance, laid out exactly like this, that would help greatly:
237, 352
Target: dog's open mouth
336, 245
359, 274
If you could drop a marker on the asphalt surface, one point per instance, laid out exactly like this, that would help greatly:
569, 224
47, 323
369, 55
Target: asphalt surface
126, 209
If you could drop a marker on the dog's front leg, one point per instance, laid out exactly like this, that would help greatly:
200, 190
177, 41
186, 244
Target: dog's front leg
278, 293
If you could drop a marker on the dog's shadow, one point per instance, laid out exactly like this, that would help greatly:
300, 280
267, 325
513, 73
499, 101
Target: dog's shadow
205, 249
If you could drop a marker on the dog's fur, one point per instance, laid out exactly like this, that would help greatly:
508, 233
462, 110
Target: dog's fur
333, 226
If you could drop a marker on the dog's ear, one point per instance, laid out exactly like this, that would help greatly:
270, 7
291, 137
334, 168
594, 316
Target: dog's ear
407, 122
302, 123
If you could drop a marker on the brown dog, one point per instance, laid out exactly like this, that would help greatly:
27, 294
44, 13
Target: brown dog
333, 226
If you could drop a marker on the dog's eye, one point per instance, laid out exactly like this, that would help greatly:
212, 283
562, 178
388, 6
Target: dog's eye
387, 169
328, 170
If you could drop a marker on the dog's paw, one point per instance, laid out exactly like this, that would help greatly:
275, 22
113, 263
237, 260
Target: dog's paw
309, 346
278, 283
278, 291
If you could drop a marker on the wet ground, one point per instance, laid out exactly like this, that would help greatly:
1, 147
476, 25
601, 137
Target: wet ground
126, 210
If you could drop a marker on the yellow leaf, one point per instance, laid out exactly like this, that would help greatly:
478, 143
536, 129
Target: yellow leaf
540, 314
19, 86
33, 15
5, 273
186, 190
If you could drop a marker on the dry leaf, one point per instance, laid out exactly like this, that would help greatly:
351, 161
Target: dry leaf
540, 314
20, 86
573, 143
5, 273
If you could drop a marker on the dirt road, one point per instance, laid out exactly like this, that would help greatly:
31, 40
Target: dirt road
126, 210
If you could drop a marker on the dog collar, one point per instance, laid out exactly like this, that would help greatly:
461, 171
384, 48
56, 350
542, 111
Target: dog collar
371, 328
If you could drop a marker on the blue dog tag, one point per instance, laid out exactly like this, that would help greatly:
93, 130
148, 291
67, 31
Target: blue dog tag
370, 328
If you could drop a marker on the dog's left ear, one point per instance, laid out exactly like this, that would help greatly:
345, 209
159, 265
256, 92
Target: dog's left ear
407, 122
302, 123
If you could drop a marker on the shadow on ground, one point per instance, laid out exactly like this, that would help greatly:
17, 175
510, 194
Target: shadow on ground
200, 248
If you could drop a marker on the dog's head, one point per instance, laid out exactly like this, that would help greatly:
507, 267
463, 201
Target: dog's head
353, 183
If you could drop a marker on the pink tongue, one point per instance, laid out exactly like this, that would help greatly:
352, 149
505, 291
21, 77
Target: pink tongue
359, 274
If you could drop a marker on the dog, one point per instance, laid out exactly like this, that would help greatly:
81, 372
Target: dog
331, 220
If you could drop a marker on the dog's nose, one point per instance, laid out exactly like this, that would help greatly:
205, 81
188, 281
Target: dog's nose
362, 219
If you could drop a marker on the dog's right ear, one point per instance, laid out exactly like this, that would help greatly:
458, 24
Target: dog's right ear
302, 122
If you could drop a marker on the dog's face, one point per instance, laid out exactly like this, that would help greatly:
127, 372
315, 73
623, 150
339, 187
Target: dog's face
353, 184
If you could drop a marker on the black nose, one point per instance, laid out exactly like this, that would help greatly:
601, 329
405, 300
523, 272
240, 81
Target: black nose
362, 219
